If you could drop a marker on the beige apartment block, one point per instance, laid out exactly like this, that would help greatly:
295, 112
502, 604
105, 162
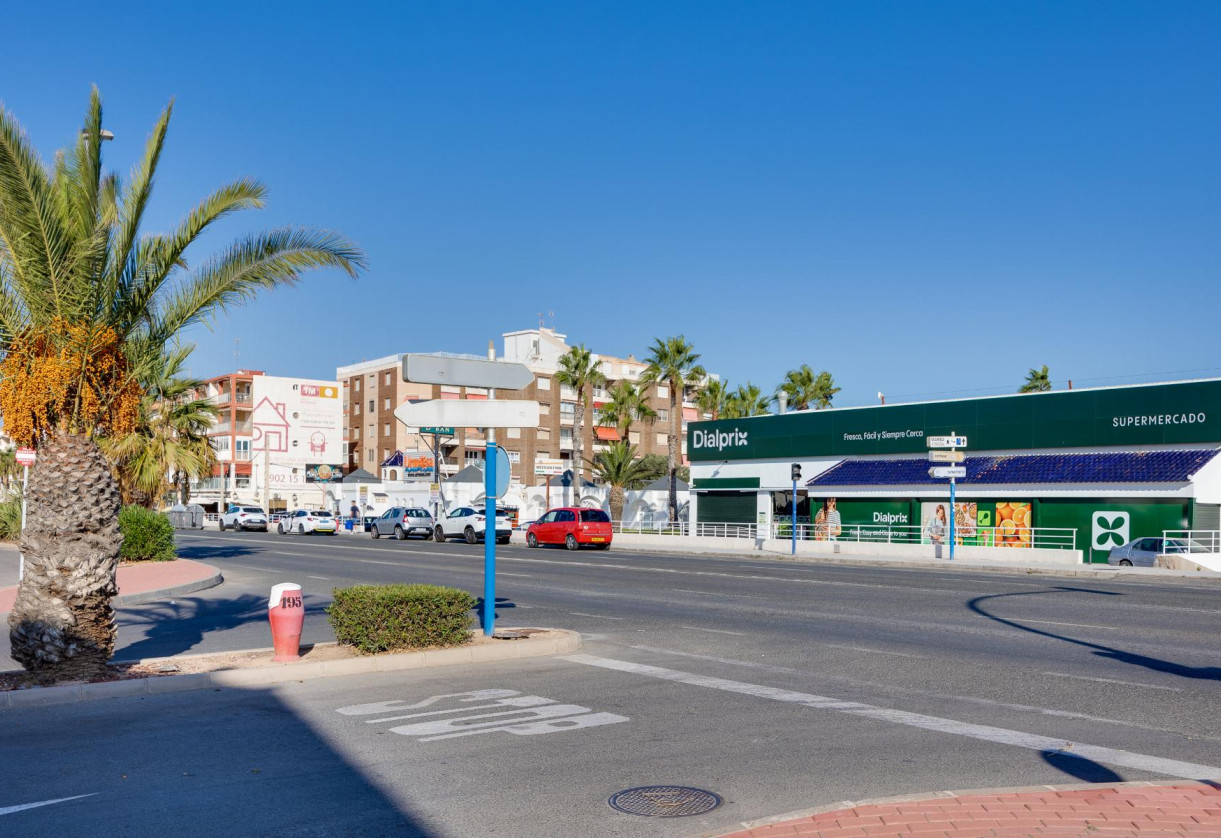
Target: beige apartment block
373, 389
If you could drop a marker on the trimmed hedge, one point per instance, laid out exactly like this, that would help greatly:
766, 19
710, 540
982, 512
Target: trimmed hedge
10, 519
379, 618
147, 536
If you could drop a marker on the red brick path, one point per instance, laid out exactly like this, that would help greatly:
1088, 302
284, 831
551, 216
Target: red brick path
1103, 811
139, 578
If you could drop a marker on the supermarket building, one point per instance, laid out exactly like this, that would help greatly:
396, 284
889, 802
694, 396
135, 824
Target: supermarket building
1087, 469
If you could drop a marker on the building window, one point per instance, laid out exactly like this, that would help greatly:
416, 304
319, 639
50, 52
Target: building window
661, 439
385, 455
544, 383
544, 434
372, 405
633, 438
568, 412
355, 432
385, 429
514, 456
663, 391
356, 410
368, 455
220, 443
386, 379
514, 433
474, 455
356, 384
394, 475
567, 392
386, 403
663, 415
243, 449
565, 435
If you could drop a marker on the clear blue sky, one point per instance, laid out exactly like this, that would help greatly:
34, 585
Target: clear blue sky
918, 197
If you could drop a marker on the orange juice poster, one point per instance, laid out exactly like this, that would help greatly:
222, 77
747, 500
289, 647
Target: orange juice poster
1010, 523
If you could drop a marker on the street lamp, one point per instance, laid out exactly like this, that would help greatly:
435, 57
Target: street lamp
103, 134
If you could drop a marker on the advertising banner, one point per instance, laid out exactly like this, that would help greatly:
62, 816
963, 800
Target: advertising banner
548, 466
417, 465
323, 473
935, 522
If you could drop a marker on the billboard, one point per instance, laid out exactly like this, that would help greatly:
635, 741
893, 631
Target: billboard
417, 465
295, 424
323, 473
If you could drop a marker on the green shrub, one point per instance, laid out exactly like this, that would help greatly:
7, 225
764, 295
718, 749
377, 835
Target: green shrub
378, 618
147, 536
10, 518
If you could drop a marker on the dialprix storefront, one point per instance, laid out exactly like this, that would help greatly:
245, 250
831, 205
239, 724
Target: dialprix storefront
1108, 464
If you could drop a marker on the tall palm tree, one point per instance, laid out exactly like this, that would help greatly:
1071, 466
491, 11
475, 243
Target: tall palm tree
582, 373
169, 444
805, 389
620, 468
1037, 381
747, 400
712, 397
87, 305
824, 390
628, 404
673, 361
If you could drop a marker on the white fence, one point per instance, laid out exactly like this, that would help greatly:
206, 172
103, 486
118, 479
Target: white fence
709, 530
1191, 541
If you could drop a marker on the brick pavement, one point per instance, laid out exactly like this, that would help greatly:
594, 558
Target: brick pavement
1094, 811
140, 579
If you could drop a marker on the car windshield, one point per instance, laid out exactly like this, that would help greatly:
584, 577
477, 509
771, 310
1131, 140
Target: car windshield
256, 510
594, 516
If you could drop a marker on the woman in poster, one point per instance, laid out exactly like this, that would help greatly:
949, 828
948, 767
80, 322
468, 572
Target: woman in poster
937, 527
827, 521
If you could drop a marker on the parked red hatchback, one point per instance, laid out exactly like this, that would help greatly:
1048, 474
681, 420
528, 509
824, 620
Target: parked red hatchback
573, 527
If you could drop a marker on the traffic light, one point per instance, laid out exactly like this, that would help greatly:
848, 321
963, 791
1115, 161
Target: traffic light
796, 471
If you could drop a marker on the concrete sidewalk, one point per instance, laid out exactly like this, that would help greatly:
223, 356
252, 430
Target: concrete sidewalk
1078, 811
147, 581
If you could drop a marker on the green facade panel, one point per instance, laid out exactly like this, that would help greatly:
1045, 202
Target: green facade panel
727, 507
1143, 519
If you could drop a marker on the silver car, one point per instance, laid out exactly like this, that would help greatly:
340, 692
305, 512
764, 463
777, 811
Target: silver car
1143, 552
402, 521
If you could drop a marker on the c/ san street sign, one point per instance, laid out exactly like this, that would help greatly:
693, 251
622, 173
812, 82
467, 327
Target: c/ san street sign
946, 456
466, 372
946, 442
438, 431
940, 472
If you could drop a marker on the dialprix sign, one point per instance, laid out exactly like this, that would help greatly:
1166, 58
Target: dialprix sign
1155, 414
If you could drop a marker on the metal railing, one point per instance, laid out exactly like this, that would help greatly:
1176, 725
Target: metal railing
1191, 541
700, 529
1054, 538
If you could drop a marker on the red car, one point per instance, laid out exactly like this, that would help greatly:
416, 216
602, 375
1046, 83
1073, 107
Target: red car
571, 526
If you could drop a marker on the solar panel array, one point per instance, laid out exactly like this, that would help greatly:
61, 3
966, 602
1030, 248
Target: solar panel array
1111, 467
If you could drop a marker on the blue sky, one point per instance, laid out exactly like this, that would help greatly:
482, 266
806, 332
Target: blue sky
919, 197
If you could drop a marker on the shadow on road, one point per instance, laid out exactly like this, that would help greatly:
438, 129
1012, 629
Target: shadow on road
202, 552
1080, 767
1208, 673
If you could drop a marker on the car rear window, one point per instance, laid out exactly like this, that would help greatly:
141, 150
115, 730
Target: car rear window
594, 516
256, 510
321, 513
417, 513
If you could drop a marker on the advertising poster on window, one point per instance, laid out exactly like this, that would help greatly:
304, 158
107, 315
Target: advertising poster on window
1012, 527
935, 522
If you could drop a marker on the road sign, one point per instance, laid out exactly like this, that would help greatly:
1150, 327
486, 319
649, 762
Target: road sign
938, 472
463, 413
947, 442
26, 456
438, 431
549, 466
466, 372
502, 472
946, 456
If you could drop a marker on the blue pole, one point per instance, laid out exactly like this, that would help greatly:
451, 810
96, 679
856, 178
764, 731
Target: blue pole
794, 517
952, 516
489, 539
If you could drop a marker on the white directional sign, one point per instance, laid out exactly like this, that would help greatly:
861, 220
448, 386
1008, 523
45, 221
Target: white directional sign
947, 442
462, 413
947, 471
946, 456
466, 372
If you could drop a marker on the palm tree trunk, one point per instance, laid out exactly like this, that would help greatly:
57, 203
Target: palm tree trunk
616, 503
578, 444
672, 451
62, 623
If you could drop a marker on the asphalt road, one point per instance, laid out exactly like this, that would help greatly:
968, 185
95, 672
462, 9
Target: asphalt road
778, 686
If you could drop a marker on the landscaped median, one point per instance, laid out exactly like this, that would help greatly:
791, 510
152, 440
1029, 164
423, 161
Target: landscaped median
254, 668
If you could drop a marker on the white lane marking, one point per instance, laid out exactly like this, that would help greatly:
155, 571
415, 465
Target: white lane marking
986, 733
597, 616
715, 631
524, 575
323, 578
857, 682
716, 593
11, 809
1113, 681
1054, 623
874, 651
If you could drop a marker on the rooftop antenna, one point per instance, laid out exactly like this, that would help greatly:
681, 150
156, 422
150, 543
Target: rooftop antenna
237, 353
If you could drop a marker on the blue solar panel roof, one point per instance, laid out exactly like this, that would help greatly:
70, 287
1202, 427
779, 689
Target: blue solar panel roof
1113, 467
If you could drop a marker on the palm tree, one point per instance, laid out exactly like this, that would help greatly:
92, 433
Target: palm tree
1037, 381
712, 397
804, 389
674, 362
87, 306
620, 468
169, 444
581, 372
8, 469
628, 404
824, 390
747, 400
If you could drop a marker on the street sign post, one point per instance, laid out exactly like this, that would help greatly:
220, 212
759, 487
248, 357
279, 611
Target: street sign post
946, 442
26, 456
946, 456
438, 431
942, 472
488, 413
466, 372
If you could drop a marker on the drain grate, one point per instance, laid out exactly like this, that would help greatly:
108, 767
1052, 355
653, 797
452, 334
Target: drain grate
664, 801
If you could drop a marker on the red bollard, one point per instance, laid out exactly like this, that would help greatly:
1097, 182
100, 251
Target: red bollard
286, 610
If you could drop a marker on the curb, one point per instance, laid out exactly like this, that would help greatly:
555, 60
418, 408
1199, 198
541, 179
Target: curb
941, 795
177, 590
260, 676
1077, 571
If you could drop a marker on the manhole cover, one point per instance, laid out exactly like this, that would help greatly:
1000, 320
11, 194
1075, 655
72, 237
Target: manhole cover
664, 801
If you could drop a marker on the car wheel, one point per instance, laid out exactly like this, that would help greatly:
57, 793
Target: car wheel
531, 540
571, 542
300, 529
470, 535
222, 526
428, 535
280, 529
1124, 563
373, 532
399, 534
438, 534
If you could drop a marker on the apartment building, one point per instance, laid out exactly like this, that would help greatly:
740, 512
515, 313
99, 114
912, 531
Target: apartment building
271, 438
373, 389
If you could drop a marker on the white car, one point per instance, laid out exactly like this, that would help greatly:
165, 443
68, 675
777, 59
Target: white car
302, 521
469, 523
244, 518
